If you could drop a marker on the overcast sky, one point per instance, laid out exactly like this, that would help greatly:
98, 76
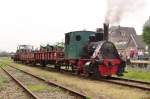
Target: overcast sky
38, 22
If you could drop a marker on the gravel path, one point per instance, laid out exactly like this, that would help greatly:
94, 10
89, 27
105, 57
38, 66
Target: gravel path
41, 89
9, 89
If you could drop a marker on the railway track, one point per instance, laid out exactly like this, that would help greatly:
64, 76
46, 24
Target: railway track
129, 83
9, 89
126, 82
115, 80
124, 79
120, 81
71, 93
21, 85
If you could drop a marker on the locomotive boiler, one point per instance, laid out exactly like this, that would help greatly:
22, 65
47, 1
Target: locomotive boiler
85, 53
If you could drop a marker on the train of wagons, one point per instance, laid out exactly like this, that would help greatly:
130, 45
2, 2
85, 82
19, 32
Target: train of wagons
85, 53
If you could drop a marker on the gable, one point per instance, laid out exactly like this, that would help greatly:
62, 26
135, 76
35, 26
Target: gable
125, 37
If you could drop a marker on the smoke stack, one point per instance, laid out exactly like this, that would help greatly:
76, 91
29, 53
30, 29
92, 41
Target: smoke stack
106, 30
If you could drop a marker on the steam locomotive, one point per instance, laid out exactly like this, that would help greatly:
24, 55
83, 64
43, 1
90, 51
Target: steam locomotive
85, 53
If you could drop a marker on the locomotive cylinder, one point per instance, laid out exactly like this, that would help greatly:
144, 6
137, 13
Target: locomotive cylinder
106, 30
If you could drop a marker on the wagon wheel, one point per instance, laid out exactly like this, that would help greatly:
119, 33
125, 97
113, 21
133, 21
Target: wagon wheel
43, 64
33, 63
57, 66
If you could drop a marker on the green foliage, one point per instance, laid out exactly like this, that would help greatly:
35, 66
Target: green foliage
4, 54
56, 45
59, 44
146, 35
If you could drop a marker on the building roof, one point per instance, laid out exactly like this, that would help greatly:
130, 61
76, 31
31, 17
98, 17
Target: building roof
126, 34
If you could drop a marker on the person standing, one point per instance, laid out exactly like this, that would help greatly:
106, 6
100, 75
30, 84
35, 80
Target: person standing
140, 55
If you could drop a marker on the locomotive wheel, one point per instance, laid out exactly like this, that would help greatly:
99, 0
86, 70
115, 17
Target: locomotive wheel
77, 72
121, 68
95, 74
92, 72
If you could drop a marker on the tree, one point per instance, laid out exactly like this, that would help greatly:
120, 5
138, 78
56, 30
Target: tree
146, 35
4, 54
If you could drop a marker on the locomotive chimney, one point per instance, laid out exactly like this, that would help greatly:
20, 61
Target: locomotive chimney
106, 30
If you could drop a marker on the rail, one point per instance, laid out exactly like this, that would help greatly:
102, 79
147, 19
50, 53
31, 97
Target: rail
20, 84
53, 83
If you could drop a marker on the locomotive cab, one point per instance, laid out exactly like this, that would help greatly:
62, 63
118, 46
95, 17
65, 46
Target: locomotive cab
76, 41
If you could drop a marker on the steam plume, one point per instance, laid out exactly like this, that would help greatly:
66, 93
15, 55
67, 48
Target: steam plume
116, 9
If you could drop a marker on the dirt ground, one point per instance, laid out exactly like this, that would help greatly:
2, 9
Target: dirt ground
92, 88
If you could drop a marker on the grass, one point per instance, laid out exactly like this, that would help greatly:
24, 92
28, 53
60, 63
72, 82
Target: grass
2, 64
37, 87
43, 87
88, 98
137, 74
4, 61
3, 81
